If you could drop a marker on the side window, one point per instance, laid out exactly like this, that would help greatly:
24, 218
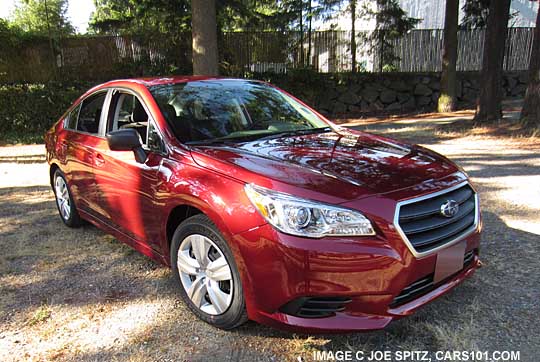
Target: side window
71, 119
90, 113
128, 112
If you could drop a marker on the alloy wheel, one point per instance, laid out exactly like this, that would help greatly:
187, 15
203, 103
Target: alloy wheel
62, 197
205, 274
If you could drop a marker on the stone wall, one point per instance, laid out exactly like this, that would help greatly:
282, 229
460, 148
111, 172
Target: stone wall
402, 92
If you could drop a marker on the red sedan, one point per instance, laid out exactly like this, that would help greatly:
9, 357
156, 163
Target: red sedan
264, 209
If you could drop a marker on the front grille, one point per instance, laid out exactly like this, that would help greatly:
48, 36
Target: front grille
315, 307
425, 285
426, 228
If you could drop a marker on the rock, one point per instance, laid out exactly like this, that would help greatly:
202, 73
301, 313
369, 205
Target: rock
364, 106
388, 96
410, 104
355, 88
403, 97
396, 106
370, 94
400, 86
378, 106
331, 94
349, 98
354, 109
339, 108
423, 101
325, 104
425, 80
422, 90
342, 89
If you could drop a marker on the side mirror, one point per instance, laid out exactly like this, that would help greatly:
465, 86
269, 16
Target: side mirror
127, 140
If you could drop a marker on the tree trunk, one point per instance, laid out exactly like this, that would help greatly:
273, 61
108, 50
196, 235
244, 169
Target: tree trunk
489, 102
309, 34
447, 99
204, 33
353, 35
302, 60
530, 114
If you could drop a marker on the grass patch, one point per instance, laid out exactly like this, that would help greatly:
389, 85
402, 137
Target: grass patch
40, 315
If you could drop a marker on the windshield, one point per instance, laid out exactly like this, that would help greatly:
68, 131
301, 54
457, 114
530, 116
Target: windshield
231, 110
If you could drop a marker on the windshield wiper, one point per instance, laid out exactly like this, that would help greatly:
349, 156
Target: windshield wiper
211, 141
297, 132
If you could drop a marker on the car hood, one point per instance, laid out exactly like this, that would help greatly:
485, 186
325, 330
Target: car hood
346, 165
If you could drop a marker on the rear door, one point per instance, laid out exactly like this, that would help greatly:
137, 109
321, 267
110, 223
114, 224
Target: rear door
83, 135
126, 189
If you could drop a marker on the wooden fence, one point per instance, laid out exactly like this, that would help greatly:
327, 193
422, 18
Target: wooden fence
421, 50
106, 57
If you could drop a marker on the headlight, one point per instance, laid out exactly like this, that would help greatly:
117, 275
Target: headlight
307, 218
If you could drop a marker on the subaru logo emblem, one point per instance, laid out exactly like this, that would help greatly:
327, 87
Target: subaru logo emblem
449, 208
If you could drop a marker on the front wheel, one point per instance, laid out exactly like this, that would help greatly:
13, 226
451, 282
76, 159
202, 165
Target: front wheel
64, 201
204, 267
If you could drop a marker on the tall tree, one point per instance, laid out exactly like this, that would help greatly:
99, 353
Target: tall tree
352, 6
530, 114
43, 17
447, 99
204, 34
489, 101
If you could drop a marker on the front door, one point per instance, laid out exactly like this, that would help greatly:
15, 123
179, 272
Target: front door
126, 189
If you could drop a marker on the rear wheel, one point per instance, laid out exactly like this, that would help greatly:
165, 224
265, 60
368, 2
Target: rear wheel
64, 201
204, 267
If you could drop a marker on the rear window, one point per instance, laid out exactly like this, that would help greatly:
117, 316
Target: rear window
90, 113
70, 122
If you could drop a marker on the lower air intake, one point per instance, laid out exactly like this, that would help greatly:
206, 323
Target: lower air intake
315, 307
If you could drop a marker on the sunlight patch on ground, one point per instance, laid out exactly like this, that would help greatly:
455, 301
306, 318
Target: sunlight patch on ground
80, 330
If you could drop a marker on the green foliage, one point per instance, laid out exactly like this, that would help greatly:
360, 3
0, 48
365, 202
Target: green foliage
40, 315
174, 16
476, 12
28, 110
139, 16
392, 23
40, 17
238, 15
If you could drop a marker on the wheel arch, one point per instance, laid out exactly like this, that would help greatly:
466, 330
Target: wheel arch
185, 210
52, 170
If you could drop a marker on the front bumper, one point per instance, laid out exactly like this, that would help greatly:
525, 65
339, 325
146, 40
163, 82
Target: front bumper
370, 271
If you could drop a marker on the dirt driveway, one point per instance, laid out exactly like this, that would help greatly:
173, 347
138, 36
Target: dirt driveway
80, 295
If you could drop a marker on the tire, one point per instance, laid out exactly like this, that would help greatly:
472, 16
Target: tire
207, 274
64, 201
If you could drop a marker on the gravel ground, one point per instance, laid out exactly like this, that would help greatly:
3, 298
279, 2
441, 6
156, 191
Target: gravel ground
80, 295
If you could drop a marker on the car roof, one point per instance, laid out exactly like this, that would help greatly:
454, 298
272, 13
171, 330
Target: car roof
152, 81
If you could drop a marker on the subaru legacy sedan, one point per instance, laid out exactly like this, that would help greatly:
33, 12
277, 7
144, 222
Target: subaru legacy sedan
263, 208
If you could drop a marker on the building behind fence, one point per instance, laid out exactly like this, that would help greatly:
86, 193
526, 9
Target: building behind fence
105, 57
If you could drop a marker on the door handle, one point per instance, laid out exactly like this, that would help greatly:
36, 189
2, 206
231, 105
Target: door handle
99, 161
